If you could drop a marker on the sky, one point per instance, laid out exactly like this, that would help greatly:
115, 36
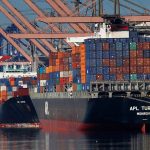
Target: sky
108, 8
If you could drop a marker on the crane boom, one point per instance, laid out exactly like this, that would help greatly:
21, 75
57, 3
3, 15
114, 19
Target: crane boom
41, 14
14, 21
26, 23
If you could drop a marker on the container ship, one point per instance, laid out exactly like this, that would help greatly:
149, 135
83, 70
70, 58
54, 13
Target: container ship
103, 82
16, 108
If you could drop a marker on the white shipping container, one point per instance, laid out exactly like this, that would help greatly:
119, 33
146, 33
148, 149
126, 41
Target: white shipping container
3, 88
25, 86
14, 88
70, 89
20, 83
35, 89
65, 73
42, 82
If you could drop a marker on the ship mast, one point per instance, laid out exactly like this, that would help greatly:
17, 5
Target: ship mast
117, 8
33, 54
100, 7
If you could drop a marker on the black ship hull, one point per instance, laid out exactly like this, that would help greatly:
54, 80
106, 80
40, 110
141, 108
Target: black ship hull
116, 113
18, 112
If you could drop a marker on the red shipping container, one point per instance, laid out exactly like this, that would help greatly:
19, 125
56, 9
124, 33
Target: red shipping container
42, 89
77, 55
146, 45
140, 46
133, 62
52, 62
105, 62
60, 55
61, 61
139, 69
38, 76
106, 46
146, 69
75, 60
133, 54
119, 77
133, 70
113, 70
140, 61
119, 70
65, 61
139, 54
99, 77
125, 70
61, 81
64, 80
54, 55
56, 68
76, 65
112, 63
11, 79
146, 62
58, 89
66, 68
23, 92
34, 82
44, 76
61, 68
67, 54
74, 87
126, 62
62, 88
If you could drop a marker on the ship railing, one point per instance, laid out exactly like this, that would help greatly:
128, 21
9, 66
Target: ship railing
79, 94
120, 86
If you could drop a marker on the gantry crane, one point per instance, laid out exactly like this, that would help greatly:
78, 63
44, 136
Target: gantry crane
69, 21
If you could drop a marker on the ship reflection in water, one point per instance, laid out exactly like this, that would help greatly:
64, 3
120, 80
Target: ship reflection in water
38, 140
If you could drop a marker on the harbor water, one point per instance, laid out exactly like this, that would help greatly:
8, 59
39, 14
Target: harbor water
39, 140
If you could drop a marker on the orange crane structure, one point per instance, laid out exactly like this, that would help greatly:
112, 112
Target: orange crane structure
65, 19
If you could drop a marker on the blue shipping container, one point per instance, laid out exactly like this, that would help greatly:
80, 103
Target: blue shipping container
105, 70
106, 54
106, 77
112, 54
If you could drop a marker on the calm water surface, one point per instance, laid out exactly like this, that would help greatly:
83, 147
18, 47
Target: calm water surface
39, 140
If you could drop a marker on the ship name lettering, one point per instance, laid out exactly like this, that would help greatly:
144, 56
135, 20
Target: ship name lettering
145, 107
134, 108
21, 102
143, 113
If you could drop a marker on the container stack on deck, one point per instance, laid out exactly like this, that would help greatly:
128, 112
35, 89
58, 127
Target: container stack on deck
99, 59
13, 87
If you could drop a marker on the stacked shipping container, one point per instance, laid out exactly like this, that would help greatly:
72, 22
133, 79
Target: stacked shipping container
15, 86
100, 59
66, 71
118, 59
